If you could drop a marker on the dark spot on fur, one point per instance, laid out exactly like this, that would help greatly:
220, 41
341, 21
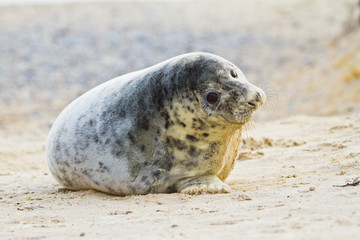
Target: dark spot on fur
64, 178
78, 160
96, 139
67, 151
166, 116
180, 123
192, 151
82, 143
131, 137
200, 121
192, 138
212, 150
86, 144
235, 94
86, 173
190, 97
198, 124
144, 178
57, 146
144, 124
67, 181
164, 163
143, 148
116, 153
167, 164
121, 113
158, 91
91, 122
205, 134
168, 124
103, 114
179, 144
103, 168
190, 109
116, 148
156, 174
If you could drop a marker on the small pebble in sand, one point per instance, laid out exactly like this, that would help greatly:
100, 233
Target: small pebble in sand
243, 197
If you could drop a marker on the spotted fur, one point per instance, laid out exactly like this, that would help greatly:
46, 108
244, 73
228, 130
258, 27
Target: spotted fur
152, 131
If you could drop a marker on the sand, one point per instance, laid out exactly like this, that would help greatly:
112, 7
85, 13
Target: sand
290, 179
283, 187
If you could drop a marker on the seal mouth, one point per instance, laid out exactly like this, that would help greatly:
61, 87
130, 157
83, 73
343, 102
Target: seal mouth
244, 117
239, 118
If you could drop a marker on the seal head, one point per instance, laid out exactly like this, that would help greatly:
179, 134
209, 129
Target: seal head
231, 97
173, 127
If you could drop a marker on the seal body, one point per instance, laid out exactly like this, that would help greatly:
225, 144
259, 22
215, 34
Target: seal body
173, 127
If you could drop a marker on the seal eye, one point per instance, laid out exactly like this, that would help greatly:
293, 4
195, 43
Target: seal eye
233, 73
212, 97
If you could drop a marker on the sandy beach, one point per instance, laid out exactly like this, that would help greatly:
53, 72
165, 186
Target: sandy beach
299, 165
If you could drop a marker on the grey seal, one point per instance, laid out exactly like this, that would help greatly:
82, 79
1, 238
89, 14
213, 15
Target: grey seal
172, 127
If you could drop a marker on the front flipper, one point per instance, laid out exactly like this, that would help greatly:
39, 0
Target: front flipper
201, 185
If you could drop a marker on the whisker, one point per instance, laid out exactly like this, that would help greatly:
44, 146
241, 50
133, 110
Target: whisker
272, 96
248, 130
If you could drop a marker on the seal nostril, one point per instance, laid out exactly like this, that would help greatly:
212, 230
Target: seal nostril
259, 99
258, 96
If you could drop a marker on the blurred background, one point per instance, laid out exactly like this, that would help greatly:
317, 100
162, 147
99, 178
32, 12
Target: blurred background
304, 53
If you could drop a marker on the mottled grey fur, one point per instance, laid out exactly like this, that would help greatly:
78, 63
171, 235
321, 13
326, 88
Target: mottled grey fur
153, 130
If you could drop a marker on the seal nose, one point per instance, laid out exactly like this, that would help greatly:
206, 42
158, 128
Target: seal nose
256, 102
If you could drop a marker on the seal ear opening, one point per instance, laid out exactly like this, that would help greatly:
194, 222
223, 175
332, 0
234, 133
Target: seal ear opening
233, 73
